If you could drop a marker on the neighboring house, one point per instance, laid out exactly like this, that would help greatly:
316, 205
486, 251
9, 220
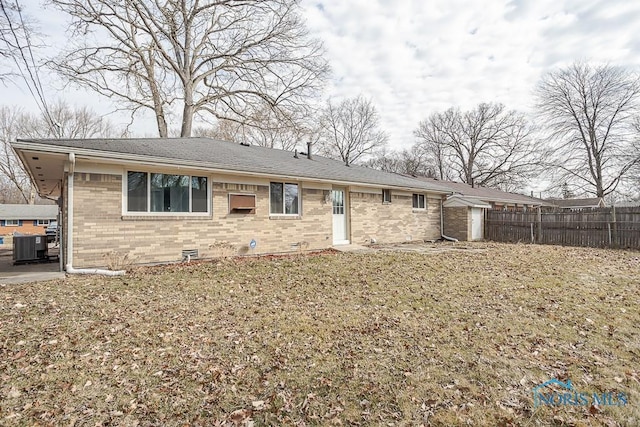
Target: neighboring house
589, 203
160, 200
464, 209
627, 204
26, 219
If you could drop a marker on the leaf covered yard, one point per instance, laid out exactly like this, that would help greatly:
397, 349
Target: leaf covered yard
449, 337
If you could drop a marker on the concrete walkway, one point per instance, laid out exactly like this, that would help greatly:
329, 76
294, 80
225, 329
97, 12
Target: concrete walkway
30, 277
27, 273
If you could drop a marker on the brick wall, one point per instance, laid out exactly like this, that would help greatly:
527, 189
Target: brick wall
100, 228
393, 222
457, 223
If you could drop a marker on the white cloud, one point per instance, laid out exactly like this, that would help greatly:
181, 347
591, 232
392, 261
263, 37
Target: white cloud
414, 58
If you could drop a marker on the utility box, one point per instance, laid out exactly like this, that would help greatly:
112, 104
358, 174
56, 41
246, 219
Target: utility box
30, 249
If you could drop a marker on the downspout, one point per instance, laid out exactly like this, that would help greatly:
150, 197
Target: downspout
451, 239
69, 267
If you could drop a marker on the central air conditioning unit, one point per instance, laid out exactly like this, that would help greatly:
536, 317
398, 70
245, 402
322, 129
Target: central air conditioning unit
30, 249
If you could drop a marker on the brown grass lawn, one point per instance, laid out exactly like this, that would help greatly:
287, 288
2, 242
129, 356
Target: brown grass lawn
452, 338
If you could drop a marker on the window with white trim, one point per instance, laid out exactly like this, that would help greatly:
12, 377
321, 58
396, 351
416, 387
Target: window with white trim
167, 193
283, 198
419, 201
43, 222
386, 195
12, 222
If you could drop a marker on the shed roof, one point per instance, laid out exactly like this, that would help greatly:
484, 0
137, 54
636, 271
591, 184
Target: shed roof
221, 156
28, 212
458, 201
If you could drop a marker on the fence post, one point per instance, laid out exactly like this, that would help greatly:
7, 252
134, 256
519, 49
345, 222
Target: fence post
532, 238
539, 224
614, 232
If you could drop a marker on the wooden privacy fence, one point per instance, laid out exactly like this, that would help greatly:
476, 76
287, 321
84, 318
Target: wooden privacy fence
603, 227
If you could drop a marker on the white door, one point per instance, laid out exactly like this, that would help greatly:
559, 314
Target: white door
339, 218
477, 217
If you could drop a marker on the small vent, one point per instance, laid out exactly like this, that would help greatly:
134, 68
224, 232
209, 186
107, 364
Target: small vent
189, 254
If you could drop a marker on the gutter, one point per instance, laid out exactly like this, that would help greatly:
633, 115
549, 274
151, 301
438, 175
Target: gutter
69, 247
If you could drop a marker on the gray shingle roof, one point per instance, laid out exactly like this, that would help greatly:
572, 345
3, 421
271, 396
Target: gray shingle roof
488, 194
222, 155
28, 212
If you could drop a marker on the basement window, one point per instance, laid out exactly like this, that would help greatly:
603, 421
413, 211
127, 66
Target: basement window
242, 203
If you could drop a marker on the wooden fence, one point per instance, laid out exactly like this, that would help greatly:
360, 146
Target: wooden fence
603, 227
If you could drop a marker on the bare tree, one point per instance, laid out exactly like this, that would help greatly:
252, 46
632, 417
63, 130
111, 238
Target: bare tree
12, 174
407, 162
589, 111
225, 59
431, 137
349, 130
14, 123
486, 146
267, 128
69, 122
11, 30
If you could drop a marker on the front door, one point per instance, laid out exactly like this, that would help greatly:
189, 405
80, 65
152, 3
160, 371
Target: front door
339, 217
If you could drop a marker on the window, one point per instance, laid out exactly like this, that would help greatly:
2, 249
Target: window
419, 201
43, 222
12, 222
386, 195
137, 191
158, 192
283, 199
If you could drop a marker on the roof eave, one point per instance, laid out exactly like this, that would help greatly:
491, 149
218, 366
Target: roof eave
93, 154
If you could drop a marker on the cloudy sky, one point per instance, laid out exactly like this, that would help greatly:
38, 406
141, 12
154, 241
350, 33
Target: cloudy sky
416, 57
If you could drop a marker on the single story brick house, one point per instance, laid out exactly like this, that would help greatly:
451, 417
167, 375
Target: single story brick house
159, 200
464, 209
26, 219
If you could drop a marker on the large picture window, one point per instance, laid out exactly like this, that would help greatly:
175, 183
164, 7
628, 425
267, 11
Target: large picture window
158, 192
284, 199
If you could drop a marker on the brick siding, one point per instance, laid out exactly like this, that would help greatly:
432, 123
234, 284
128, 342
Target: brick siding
27, 227
457, 223
372, 220
100, 228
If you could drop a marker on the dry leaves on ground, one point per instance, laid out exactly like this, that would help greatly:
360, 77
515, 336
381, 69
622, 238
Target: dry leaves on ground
451, 338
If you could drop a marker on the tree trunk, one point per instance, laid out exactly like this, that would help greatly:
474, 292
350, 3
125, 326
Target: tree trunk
187, 120
163, 132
